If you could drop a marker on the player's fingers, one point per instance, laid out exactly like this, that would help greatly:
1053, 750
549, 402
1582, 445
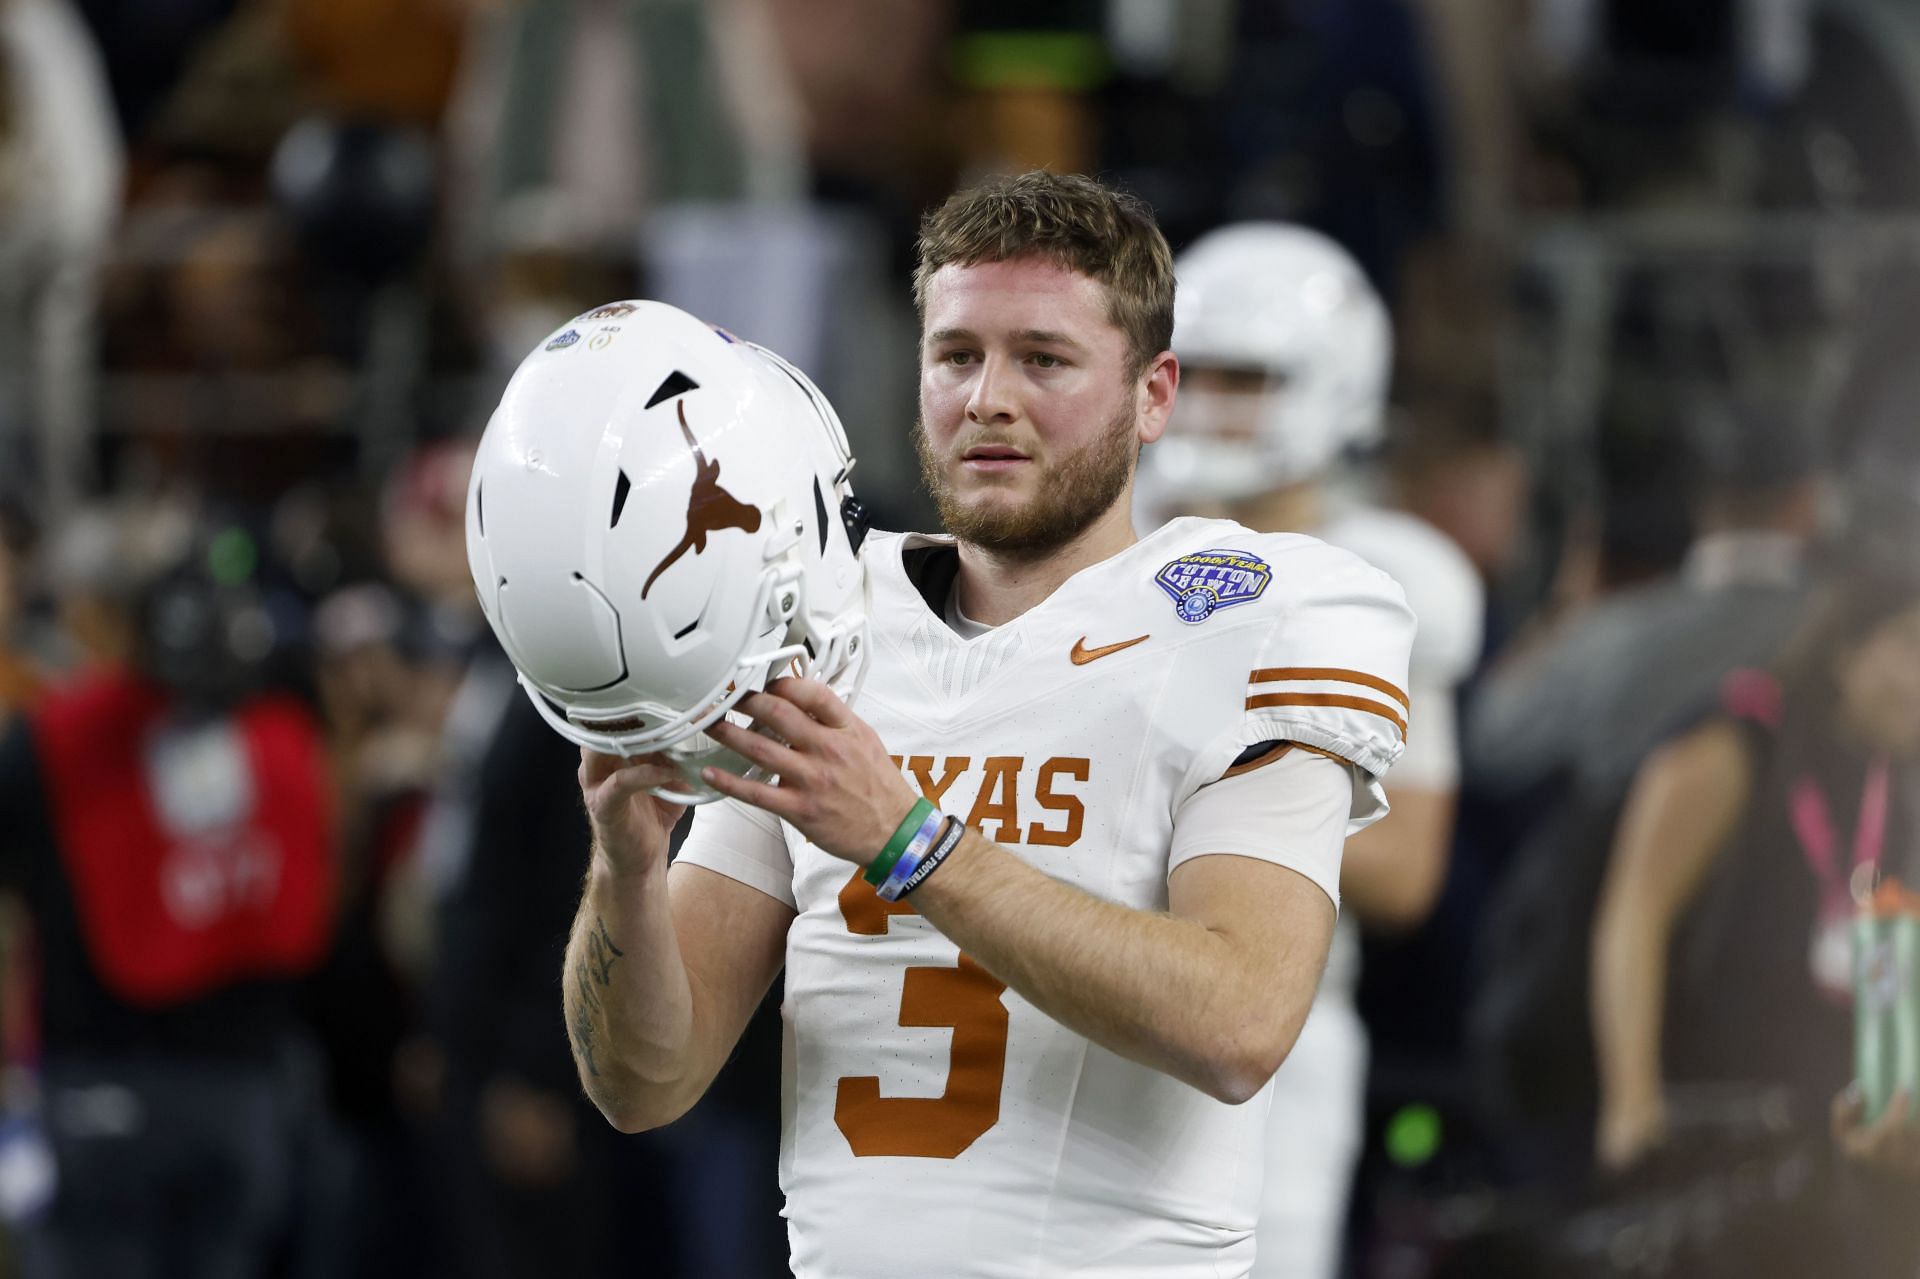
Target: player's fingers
596, 767
631, 779
815, 698
769, 754
780, 715
760, 794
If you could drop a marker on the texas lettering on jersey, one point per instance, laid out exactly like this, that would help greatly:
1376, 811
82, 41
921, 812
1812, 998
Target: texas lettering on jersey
999, 784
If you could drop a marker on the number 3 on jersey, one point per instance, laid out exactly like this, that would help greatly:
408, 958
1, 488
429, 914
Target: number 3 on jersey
965, 997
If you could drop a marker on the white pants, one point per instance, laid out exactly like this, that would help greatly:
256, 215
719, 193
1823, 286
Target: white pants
1313, 1140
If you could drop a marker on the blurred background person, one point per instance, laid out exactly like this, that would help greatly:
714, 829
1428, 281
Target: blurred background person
1721, 950
165, 815
1561, 724
61, 168
1286, 352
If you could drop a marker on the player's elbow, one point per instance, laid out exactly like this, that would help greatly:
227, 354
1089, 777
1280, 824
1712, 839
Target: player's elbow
1244, 1062
633, 1109
629, 1118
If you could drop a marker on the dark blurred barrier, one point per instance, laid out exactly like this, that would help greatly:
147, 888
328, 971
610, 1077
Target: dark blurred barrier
1746, 1189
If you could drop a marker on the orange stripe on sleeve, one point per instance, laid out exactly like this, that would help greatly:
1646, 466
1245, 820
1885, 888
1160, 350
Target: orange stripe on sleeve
1273, 673
1386, 712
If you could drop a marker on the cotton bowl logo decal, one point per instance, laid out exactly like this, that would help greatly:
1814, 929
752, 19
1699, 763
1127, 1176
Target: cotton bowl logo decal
1209, 580
564, 341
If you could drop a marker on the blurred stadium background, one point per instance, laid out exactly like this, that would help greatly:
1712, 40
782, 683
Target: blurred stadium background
265, 266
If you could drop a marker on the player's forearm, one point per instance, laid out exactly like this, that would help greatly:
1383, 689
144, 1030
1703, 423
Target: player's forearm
628, 999
1160, 990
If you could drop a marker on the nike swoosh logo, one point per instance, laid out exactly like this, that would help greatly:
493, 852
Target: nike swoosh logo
1081, 654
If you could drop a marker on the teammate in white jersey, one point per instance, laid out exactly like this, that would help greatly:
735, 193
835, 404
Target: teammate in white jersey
1286, 352
1050, 1055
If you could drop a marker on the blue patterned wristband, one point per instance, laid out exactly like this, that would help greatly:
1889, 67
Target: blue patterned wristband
908, 876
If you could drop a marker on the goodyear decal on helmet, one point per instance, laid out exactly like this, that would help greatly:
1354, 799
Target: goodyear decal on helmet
564, 341
1208, 580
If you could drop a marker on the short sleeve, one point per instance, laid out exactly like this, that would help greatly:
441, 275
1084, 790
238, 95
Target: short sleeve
1329, 671
1293, 811
743, 843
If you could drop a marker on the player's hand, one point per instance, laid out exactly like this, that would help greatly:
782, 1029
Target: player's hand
837, 786
631, 829
1890, 1143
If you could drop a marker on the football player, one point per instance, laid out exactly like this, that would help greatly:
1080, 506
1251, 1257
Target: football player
1053, 894
1285, 350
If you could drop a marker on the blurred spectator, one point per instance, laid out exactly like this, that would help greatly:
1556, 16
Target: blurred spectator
1555, 734
577, 117
60, 175
1722, 949
1548, 707
166, 819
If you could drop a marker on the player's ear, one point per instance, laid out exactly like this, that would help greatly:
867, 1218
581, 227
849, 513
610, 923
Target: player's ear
1158, 386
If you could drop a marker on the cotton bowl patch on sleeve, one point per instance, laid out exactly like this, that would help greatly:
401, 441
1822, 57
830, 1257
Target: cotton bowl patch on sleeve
1201, 583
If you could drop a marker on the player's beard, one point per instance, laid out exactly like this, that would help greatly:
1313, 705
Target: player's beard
1075, 492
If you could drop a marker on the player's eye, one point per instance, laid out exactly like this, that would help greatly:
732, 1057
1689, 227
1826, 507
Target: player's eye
1042, 360
958, 359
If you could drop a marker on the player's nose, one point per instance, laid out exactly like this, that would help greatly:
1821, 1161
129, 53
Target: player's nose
990, 399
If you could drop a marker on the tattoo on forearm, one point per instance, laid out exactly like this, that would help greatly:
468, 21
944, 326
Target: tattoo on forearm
602, 951
591, 974
583, 1041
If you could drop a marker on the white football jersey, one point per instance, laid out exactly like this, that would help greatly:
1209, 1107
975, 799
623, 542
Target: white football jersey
935, 1122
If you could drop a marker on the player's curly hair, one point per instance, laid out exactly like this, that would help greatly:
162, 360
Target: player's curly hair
1069, 220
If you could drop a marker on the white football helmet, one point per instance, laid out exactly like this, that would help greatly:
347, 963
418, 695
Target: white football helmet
1289, 305
659, 522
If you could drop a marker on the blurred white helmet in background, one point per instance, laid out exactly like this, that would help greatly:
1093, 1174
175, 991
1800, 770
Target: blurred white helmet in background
1292, 315
659, 522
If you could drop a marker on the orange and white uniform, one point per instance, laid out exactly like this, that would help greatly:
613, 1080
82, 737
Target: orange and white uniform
935, 1122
